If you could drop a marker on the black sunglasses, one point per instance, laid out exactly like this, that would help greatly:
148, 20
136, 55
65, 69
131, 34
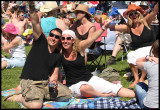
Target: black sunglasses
79, 12
133, 13
21, 15
68, 38
56, 36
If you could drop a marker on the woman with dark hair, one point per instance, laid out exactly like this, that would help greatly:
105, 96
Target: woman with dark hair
83, 27
148, 94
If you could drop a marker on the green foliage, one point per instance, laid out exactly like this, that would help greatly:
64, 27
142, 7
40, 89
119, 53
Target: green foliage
10, 77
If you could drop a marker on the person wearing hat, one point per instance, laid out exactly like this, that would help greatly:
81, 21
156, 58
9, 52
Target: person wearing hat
28, 36
83, 27
49, 21
15, 47
145, 6
41, 68
141, 35
81, 82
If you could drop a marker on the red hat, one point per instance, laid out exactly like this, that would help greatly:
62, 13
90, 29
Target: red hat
132, 7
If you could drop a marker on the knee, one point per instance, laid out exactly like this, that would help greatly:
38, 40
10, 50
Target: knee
84, 88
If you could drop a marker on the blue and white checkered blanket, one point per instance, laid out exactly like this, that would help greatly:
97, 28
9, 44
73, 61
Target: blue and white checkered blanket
105, 103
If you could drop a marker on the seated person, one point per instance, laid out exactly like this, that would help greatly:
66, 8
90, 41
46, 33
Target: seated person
81, 82
69, 7
15, 47
148, 95
28, 34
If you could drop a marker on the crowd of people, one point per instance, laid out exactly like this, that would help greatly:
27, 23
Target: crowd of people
62, 33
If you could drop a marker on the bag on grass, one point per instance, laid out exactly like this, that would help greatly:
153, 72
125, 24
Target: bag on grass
110, 74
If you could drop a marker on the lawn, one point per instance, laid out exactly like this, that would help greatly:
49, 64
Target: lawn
10, 77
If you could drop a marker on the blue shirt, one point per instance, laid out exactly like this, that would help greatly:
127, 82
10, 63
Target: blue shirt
48, 24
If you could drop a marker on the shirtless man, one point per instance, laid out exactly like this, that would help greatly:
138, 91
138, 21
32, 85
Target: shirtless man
19, 22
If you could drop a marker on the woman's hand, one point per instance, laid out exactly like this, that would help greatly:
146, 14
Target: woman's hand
152, 58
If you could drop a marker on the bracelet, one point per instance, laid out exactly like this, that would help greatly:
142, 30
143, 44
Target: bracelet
146, 58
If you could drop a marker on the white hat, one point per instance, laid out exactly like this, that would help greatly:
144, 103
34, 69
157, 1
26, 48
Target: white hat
70, 32
49, 6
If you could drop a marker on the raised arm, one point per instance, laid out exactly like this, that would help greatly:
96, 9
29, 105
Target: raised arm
86, 43
150, 17
37, 30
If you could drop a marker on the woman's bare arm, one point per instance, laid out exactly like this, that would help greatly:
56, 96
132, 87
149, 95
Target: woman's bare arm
150, 17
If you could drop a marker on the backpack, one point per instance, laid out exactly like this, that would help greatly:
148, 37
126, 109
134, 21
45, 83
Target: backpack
110, 74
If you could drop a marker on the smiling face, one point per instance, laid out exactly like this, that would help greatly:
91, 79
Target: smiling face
21, 16
67, 41
53, 38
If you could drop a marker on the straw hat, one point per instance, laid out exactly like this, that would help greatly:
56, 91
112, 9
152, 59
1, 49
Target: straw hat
27, 31
12, 29
132, 7
49, 6
84, 8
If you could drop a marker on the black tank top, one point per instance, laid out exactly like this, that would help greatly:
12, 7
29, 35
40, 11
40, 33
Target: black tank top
76, 70
145, 39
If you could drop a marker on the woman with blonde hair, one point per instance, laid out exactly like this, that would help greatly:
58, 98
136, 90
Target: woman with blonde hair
81, 82
141, 35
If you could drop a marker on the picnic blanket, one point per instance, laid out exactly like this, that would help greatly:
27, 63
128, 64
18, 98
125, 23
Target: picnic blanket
87, 103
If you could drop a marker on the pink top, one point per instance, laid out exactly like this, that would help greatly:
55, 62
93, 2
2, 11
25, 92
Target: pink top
104, 34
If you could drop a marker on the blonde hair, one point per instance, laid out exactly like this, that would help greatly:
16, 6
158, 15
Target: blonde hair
130, 22
76, 47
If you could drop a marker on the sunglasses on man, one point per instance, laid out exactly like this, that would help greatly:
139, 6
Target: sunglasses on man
21, 15
68, 38
56, 36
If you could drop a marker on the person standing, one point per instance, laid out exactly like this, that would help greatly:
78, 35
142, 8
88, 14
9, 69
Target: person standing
49, 21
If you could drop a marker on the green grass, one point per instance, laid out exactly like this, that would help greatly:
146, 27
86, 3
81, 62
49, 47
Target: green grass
10, 77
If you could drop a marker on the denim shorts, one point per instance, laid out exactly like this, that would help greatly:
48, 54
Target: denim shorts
14, 62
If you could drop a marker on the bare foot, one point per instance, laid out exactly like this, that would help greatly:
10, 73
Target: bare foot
13, 98
133, 84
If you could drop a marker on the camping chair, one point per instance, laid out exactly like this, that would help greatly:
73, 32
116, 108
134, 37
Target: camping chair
92, 57
123, 45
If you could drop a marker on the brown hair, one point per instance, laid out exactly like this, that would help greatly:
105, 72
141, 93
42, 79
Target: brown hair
11, 10
19, 12
155, 49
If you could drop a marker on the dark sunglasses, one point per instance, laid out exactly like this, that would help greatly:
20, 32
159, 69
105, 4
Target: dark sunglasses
56, 36
133, 13
68, 38
21, 15
79, 12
